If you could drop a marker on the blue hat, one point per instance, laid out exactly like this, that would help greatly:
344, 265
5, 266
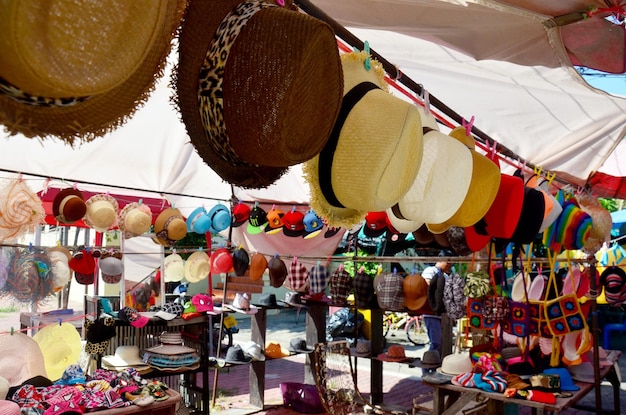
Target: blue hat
73, 375
567, 383
198, 221
313, 225
220, 218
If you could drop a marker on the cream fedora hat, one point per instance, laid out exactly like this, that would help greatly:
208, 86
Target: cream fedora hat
484, 184
374, 152
197, 267
441, 187
174, 268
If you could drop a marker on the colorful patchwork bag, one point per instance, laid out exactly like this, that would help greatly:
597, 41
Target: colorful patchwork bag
519, 321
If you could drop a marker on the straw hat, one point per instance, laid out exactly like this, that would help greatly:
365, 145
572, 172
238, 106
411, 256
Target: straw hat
79, 70
374, 154
22, 210
135, 219
125, 356
21, 358
197, 267
61, 347
174, 268
484, 183
60, 272
169, 227
68, 206
442, 182
272, 75
102, 212
27, 280
455, 364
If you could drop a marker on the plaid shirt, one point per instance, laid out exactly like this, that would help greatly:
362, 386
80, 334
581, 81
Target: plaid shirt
340, 286
390, 292
363, 290
318, 278
298, 276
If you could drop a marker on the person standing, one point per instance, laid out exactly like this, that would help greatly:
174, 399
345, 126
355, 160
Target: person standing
435, 276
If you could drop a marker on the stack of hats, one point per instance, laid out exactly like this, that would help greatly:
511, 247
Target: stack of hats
125, 357
171, 355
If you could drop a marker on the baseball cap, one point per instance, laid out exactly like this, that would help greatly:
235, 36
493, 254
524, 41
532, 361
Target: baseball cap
293, 223
274, 221
257, 220
313, 225
241, 213
375, 224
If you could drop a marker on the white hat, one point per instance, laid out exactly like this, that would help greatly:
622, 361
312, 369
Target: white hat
125, 356
197, 266
455, 364
21, 358
174, 268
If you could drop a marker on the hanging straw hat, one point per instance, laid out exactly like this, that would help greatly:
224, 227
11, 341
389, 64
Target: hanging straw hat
197, 266
27, 280
174, 267
102, 212
374, 154
169, 227
79, 70
21, 210
266, 75
484, 183
21, 358
68, 206
60, 272
135, 219
61, 347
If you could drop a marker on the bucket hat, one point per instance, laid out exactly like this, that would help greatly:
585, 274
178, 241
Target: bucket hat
484, 183
441, 184
224, 42
102, 210
61, 347
174, 268
68, 206
21, 358
377, 138
134, 219
197, 266
78, 71
169, 227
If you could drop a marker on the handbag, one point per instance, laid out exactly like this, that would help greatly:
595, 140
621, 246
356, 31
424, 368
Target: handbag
475, 316
519, 321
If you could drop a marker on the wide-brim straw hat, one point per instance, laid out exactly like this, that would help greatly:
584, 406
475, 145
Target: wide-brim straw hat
442, 185
135, 219
174, 268
22, 209
68, 206
86, 67
61, 347
102, 211
169, 227
483, 188
374, 153
21, 358
197, 266
275, 75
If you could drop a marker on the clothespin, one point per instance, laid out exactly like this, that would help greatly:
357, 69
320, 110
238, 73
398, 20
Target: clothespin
550, 177
163, 201
340, 267
293, 209
75, 186
426, 100
280, 3
295, 259
538, 170
19, 177
362, 269
367, 62
521, 164
140, 202
30, 247
173, 251
273, 206
395, 271
468, 125
46, 185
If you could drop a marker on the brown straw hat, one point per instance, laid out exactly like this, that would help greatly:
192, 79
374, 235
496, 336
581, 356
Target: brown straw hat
78, 70
272, 74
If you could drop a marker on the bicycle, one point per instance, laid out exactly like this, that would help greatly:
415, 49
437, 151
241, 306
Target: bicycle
415, 332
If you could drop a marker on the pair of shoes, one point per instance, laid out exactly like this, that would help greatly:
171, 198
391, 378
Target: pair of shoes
139, 400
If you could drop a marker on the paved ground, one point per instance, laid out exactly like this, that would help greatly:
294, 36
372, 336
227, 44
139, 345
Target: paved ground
401, 383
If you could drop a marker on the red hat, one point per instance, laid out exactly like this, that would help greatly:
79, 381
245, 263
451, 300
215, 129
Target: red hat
293, 223
241, 213
375, 224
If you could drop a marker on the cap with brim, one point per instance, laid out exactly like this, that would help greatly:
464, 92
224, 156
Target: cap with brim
61, 347
197, 266
112, 269
221, 261
164, 315
257, 221
293, 223
377, 138
375, 224
484, 184
313, 225
567, 383
241, 260
68, 206
302, 53
258, 264
278, 271
198, 221
81, 89
241, 213
274, 221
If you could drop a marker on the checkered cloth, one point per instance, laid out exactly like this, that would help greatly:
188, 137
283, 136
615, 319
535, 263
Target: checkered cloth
318, 278
363, 290
298, 276
390, 291
340, 285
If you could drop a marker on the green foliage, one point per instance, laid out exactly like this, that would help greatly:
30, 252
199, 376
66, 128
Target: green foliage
371, 268
611, 205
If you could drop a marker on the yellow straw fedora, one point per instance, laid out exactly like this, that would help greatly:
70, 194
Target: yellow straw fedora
197, 266
251, 77
374, 153
484, 184
77, 70
61, 347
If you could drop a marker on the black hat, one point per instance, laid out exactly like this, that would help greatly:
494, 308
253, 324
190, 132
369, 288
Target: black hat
236, 356
267, 300
241, 260
298, 345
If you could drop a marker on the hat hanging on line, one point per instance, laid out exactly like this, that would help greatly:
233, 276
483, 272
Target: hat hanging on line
102, 210
220, 218
23, 210
174, 267
80, 70
199, 221
197, 266
222, 43
169, 227
21, 358
134, 219
241, 213
68, 206
377, 138
61, 347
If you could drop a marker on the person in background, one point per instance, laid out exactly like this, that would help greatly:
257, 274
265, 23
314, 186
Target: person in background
435, 276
